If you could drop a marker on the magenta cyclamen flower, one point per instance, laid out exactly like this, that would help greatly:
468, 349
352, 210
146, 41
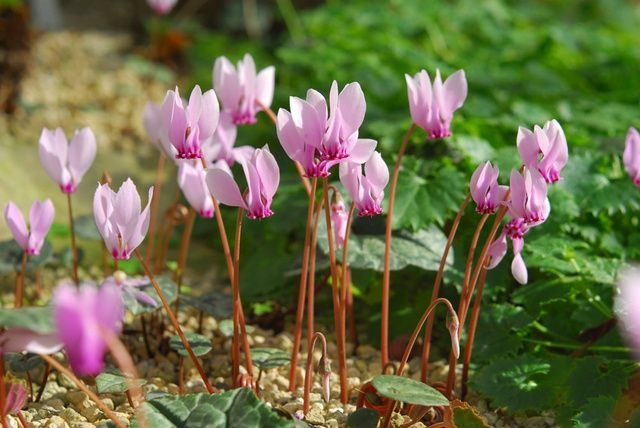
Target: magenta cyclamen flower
242, 92
263, 177
627, 307
528, 198
191, 179
188, 126
221, 146
162, 7
631, 156
118, 218
366, 191
544, 149
317, 140
64, 162
131, 286
40, 219
432, 105
485, 190
83, 316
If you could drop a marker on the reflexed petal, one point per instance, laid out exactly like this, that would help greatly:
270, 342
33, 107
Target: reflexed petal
15, 399
627, 307
138, 234
52, 149
268, 171
527, 146
17, 225
265, 83
497, 250
127, 206
352, 106
40, 220
109, 308
454, 92
82, 152
209, 116
24, 340
376, 171
226, 83
519, 269
362, 150
291, 141
224, 188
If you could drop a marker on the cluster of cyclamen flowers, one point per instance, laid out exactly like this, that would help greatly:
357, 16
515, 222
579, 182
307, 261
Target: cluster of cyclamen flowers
544, 153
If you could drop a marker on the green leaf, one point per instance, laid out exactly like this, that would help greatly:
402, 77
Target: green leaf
239, 407
216, 304
19, 362
363, 418
595, 413
422, 249
36, 319
113, 381
226, 327
168, 287
11, 257
408, 390
200, 344
515, 382
468, 417
269, 358
595, 376
85, 228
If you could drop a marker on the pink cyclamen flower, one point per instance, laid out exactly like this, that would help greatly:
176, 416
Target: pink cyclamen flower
627, 307
263, 177
162, 7
131, 286
528, 198
118, 218
64, 162
432, 105
17, 339
485, 190
83, 317
339, 219
515, 230
191, 179
40, 219
631, 156
188, 126
544, 149
366, 191
221, 146
317, 140
242, 92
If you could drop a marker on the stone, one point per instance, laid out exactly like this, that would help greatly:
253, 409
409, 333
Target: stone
56, 422
71, 416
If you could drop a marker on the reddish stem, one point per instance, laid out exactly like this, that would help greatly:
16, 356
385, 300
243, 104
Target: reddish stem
386, 274
297, 334
20, 281
74, 249
308, 375
311, 277
183, 252
175, 323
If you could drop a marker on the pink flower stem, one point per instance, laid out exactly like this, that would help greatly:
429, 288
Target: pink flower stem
308, 377
74, 249
386, 274
22, 420
299, 168
20, 281
239, 327
471, 332
80, 384
174, 322
297, 333
155, 202
474, 279
337, 307
183, 252
436, 287
411, 343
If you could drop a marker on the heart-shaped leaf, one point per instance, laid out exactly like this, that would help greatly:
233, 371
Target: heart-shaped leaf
226, 328
113, 381
19, 362
269, 358
199, 344
408, 390
36, 319
11, 257
363, 418
218, 305
239, 407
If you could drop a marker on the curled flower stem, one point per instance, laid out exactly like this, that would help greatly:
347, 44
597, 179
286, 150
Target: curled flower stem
409, 347
174, 322
92, 395
324, 367
302, 287
337, 311
155, 202
20, 281
426, 347
386, 274
74, 249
